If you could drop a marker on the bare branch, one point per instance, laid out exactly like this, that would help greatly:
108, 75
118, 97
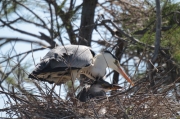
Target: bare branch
18, 30
7, 40
7, 74
26, 53
44, 24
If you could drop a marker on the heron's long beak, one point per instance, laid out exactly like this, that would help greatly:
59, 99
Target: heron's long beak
115, 87
111, 87
120, 70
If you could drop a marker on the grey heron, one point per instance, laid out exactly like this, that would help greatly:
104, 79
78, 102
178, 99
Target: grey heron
67, 62
97, 89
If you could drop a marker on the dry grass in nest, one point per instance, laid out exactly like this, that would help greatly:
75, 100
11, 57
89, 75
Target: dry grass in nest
119, 106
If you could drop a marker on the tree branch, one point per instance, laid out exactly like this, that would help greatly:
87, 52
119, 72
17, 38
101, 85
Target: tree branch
7, 74
18, 30
20, 40
26, 53
44, 24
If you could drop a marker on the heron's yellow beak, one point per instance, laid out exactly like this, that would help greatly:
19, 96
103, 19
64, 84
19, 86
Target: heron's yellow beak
111, 87
120, 70
114, 87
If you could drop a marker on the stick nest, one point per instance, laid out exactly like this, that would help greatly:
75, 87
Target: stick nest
121, 105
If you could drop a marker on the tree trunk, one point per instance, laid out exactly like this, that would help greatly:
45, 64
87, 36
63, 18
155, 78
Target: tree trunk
87, 21
86, 27
157, 43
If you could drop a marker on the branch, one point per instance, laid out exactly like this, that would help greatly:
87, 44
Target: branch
51, 22
18, 30
21, 40
14, 96
48, 39
66, 19
158, 31
11, 22
26, 53
7, 74
31, 12
125, 34
37, 24
42, 37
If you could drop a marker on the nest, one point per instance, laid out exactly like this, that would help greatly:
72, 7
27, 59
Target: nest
121, 105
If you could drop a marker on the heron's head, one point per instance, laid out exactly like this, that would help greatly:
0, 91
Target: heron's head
97, 89
114, 64
101, 85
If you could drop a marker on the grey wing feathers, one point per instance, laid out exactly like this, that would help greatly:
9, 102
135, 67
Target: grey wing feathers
64, 57
76, 56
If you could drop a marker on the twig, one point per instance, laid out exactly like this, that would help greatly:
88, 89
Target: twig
7, 74
25, 53
32, 55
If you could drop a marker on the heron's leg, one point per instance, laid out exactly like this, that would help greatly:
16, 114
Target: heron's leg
74, 74
78, 73
71, 91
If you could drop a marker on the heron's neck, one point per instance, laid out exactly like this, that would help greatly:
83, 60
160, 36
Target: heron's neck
100, 61
99, 67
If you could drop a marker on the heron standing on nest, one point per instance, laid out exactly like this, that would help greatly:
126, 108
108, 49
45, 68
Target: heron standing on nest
67, 62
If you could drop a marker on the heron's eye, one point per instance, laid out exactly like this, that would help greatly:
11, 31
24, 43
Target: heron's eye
116, 62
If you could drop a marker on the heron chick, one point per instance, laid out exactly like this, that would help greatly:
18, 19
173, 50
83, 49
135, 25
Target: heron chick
67, 62
97, 89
